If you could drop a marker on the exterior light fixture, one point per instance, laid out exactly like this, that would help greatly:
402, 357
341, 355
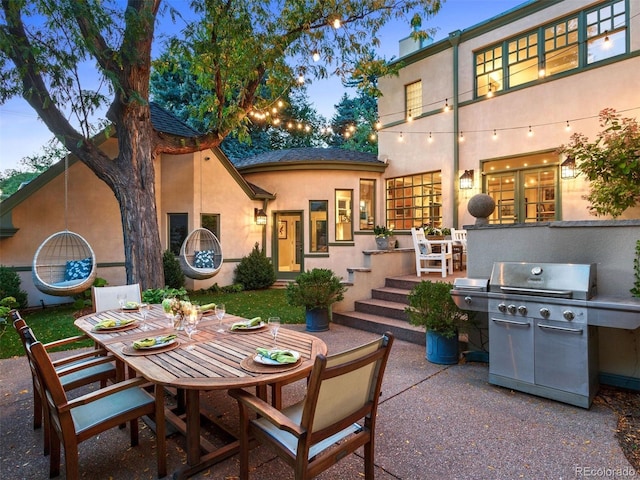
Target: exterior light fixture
466, 180
568, 169
260, 216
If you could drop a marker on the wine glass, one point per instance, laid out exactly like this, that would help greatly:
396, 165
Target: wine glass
122, 300
190, 323
144, 312
274, 326
220, 311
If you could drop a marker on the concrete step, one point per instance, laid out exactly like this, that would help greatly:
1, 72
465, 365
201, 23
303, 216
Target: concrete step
390, 294
401, 329
382, 308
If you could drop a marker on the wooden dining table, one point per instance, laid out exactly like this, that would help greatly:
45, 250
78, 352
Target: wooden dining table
218, 361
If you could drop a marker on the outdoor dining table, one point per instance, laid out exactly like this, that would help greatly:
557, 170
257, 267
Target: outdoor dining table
218, 361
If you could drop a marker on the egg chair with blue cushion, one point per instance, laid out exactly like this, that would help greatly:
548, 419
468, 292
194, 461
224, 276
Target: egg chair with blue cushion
201, 254
64, 265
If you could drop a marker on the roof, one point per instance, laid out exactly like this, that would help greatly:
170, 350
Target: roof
305, 155
166, 122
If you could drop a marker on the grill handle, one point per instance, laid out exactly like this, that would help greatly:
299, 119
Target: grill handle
534, 291
510, 322
476, 288
577, 331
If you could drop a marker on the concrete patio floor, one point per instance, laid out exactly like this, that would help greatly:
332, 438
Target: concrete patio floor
434, 422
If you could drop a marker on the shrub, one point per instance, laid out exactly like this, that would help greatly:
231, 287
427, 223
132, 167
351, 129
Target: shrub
10, 286
173, 276
317, 288
255, 271
84, 298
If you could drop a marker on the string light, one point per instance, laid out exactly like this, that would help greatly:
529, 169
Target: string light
372, 137
301, 79
568, 127
490, 92
607, 41
530, 132
315, 56
461, 137
378, 125
430, 140
446, 105
495, 134
401, 137
409, 117
337, 23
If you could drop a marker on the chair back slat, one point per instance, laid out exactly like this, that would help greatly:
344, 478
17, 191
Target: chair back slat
106, 298
46, 374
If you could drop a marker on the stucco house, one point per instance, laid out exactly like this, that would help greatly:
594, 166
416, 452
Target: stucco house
296, 189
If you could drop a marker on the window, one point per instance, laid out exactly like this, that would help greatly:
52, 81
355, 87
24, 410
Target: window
413, 99
553, 48
561, 47
525, 189
212, 223
318, 217
367, 204
344, 226
606, 32
523, 60
489, 71
414, 200
178, 230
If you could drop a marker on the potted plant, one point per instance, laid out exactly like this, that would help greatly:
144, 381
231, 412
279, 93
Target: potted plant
385, 240
431, 307
316, 290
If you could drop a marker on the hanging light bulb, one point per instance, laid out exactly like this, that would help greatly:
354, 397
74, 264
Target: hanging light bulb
347, 134
542, 70
378, 125
430, 139
315, 56
530, 132
372, 137
280, 103
461, 137
337, 23
401, 137
490, 92
607, 43
568, 127
301, 79
276, 121
352, 128
446, 105
409, 117
495, 134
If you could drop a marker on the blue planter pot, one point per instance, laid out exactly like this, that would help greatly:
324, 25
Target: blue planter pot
317, 319
441, 350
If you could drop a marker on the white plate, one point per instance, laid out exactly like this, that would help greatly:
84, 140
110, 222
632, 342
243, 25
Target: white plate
157, 345
268, 361
262, 324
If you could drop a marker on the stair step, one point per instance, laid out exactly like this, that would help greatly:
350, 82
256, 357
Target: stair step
399, 295
405, 283
383, 308
402, 330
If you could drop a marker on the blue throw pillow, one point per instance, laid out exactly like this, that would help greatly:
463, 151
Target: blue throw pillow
203, 259
423, 249
78, 269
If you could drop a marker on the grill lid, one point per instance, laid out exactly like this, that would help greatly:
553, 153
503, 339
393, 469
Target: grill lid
560, 280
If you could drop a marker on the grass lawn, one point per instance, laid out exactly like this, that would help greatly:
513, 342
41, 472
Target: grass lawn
57, 322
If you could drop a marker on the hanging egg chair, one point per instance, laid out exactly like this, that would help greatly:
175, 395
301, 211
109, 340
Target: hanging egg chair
64, 265
200, 254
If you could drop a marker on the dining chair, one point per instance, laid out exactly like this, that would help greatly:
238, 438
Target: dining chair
336, 417
426, 256
106, 298
74, 370
74, 421
460, 236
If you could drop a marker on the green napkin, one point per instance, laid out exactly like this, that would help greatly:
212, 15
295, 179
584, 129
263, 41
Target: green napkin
150, 342
111, 323
254, 322
280, 356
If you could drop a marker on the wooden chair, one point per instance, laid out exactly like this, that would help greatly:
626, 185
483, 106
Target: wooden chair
74, 421
460, 237
426, 256
106, 298
343, 390
74, 370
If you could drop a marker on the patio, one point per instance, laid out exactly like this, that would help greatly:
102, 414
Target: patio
434, 422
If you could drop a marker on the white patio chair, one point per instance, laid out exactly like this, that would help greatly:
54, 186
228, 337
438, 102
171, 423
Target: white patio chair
426, 259
460, 236
106, 298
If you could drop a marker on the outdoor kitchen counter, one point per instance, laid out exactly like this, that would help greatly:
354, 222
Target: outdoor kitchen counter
614, 312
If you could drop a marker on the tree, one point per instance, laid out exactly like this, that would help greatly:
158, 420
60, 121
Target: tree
611, 163
354, 123
234, 47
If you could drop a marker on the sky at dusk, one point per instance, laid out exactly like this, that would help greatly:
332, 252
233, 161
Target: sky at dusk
22, 133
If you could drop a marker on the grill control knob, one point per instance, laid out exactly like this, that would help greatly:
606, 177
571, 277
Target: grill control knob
545, 313
522, 310
511, 309
467, 300
502, 307
568, 315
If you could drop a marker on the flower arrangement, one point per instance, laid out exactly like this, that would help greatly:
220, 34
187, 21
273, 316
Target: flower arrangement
430, 230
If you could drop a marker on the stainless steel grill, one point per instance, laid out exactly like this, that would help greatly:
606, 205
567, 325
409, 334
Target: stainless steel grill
540, 340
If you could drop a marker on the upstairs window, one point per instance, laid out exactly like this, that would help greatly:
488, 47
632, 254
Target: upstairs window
489, 71
523, 60
413, 100
561, 47
606, 32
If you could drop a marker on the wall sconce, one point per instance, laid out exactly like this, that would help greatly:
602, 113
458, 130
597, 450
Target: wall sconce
259, 216
568, 169
466, 180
